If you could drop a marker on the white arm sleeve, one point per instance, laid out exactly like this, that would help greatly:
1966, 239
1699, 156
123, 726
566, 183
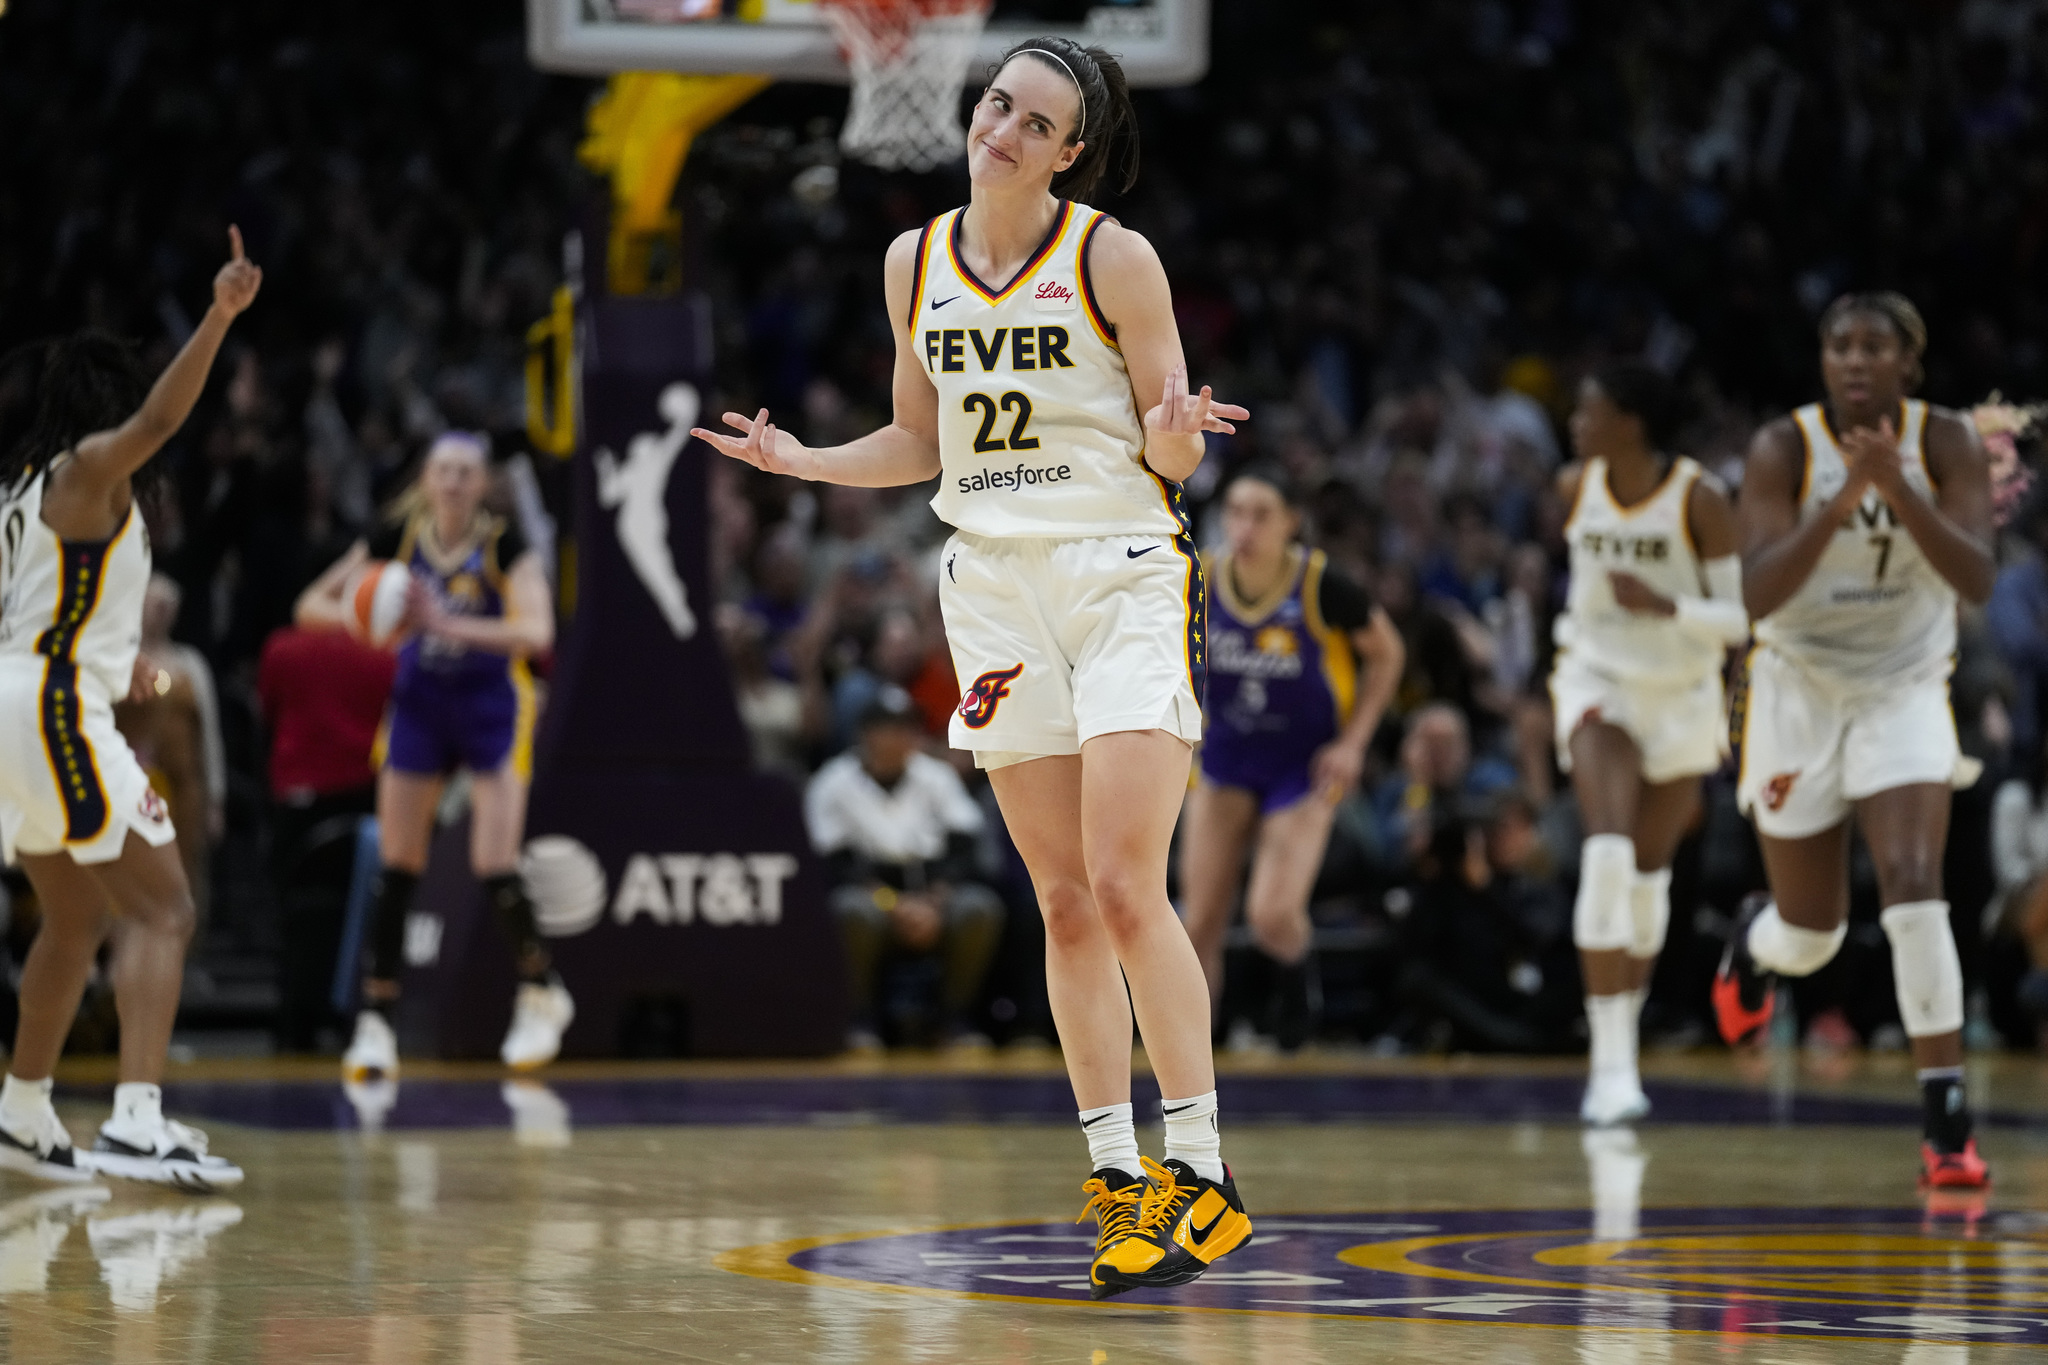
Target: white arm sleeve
1719, 615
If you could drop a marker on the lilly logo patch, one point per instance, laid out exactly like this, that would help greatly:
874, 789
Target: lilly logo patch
1053, 296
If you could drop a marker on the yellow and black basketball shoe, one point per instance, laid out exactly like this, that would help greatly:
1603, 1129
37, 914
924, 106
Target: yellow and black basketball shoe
1185, 1224
1115, 1198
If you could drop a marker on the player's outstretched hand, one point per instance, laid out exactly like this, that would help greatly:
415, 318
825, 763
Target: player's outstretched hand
1872, 455
234, 288
763, 445
1180, 412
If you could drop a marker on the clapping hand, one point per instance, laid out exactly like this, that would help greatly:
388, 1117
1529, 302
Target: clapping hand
1872, 456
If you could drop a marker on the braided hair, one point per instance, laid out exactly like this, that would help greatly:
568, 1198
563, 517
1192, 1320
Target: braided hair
55, 393
1896, 311
1110, 147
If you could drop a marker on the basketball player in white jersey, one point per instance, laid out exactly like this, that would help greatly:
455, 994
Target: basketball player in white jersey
1863, 519
78, 423
1039, 376
1654, 606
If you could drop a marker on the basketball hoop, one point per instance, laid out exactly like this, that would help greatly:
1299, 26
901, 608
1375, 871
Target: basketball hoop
909, 59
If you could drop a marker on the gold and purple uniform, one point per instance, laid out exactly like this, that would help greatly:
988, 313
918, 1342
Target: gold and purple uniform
453, 706
1282, 676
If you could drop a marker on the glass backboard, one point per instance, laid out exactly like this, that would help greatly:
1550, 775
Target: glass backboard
1160, 42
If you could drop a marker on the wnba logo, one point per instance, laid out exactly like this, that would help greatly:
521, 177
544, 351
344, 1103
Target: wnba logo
978, 707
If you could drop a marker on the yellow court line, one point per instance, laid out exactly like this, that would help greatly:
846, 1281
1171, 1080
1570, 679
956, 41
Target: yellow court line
1391, 1258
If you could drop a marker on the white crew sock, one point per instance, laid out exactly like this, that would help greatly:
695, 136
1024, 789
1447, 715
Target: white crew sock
1611, 1019
22, 1101
1192, 1135
138, 1104
1112, 1139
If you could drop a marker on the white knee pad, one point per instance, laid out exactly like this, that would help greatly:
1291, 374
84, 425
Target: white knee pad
1925, 967
1649, 907
1600, 917
1790, 950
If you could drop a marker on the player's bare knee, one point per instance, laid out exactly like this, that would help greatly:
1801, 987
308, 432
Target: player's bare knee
1069, 913
1909, 874
1124, 903
1281, 932
171, 913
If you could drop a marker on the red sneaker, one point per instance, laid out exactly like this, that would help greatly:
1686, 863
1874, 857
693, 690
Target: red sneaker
1963, 1170
1742, 990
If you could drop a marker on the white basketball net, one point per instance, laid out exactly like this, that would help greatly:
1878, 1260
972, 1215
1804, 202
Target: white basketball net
909, 59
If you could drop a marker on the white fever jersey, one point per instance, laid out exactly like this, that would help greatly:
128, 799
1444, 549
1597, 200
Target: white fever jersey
1039, 433
76, 603
1653, 541
1873, 611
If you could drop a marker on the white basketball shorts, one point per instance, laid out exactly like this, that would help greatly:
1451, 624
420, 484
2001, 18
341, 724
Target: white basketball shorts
1057, 641
1810, 751
1681, 730
69, 783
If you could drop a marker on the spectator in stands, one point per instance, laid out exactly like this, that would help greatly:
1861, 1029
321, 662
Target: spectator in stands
1439, 777
900, 834
2019, 860
323, 697
174, 728
1491, 961
783, 721
2017, 616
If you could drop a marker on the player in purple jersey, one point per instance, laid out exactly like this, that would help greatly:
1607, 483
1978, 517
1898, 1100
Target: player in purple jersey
463, 698
1302, 665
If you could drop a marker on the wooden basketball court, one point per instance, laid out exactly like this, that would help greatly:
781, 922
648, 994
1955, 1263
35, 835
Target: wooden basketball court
919, 1211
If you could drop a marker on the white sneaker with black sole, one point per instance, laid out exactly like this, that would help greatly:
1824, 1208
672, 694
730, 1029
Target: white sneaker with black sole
33, 1140
540, 1015
139, 1143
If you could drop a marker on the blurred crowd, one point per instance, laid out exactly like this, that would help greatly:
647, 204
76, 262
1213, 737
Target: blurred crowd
1398, 233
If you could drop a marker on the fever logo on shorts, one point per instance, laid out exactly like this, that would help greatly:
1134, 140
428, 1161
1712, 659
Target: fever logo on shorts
978, 707
1777, 789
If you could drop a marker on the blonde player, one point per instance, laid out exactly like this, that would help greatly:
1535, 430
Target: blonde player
1027, 327
76, 810
1655, 604
1863, 519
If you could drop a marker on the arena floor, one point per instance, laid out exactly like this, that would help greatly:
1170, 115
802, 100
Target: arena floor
917, 1210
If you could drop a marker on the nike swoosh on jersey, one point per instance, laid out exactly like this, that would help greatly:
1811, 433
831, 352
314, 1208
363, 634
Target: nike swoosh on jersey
1133, 554
941, 303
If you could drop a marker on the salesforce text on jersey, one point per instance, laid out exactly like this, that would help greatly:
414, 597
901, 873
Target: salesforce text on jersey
1022, 476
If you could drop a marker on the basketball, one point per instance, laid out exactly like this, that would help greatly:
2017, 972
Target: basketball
375, 602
